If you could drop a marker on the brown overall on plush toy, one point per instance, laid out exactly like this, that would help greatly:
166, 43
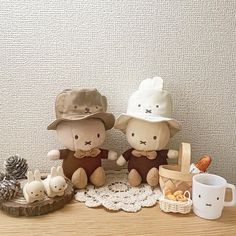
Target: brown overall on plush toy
148, 126
81, 124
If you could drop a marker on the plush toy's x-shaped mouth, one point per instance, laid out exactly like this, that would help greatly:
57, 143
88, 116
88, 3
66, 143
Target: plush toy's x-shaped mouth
148, 111
87, 142
143, 142
208, 205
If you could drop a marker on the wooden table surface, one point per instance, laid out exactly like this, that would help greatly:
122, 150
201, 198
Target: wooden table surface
76, 219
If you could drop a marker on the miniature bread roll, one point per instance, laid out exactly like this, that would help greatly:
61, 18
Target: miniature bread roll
179, 192
181, 198
168, 192
171, 197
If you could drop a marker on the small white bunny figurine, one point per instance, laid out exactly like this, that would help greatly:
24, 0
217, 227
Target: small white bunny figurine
55, 183
33, 190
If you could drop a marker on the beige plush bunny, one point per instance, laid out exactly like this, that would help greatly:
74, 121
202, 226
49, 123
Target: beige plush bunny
55, 183
81, 123
33, 190
148, 126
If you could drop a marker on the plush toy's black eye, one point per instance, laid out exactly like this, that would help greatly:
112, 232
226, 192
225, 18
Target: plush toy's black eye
75, 107
157, 106
217, 198
139, 105
98, 135
76, 136
55, 186
155, 137
199, 196
32, 192
132, 134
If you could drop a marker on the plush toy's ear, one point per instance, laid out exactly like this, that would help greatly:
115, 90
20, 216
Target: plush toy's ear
37, 175
60, 171
154, 83
53, 171
60, 102
30, 176
104, 102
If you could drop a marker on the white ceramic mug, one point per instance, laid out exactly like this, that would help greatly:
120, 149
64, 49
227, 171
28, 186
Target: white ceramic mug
208, 195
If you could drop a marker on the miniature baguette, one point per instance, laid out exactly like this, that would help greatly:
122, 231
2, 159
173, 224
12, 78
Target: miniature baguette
203, 163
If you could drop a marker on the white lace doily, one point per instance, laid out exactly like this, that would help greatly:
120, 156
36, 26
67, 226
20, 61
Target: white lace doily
117, 194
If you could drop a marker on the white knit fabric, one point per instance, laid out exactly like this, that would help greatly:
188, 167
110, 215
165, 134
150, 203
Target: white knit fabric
117, 194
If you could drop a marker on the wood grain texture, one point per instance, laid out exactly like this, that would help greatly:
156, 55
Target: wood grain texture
76, 219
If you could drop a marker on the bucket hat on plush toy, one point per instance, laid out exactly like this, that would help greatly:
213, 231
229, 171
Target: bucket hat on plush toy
150, 103
80, 104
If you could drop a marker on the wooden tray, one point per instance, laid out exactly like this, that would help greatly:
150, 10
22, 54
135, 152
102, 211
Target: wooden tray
19, 207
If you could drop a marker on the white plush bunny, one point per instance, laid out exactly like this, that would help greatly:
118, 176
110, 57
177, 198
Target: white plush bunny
33, 190
55, 183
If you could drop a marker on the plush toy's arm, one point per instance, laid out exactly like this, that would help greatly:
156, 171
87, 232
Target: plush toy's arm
108, 154
53, 155
172, 154
112, 155
123, 158
57, 154
121, 161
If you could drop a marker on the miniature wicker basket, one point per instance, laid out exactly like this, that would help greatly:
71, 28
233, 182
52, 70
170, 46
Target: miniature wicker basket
167, 205
177, 177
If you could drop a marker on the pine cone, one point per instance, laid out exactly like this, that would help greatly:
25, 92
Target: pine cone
16, 167
5, 176
8, 189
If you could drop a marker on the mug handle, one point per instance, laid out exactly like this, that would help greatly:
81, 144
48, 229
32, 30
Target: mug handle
233, 202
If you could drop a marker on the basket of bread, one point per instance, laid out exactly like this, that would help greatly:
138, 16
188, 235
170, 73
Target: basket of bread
176, 181
176, 202
177, 177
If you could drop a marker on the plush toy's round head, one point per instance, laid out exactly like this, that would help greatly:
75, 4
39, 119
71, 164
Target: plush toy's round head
147, 136
150, 103
82, 134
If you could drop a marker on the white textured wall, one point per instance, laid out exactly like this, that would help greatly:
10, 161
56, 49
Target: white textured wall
47, 46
